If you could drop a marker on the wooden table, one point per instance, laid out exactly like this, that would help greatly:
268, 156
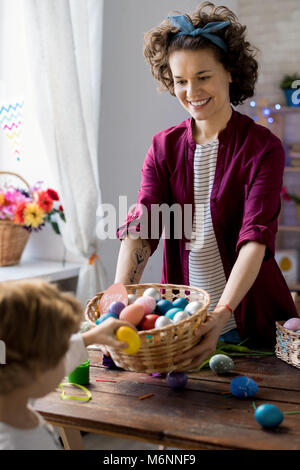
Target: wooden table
200, 416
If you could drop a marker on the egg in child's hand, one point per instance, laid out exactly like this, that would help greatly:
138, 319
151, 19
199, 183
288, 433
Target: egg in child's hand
148, 302
192, 307
125, 334
105, 316
243, 387
153, 293
133, 314
292, 324
162, 321
148, 322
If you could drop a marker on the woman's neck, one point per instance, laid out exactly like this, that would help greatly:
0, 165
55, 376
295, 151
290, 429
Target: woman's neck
15, 412
206, 131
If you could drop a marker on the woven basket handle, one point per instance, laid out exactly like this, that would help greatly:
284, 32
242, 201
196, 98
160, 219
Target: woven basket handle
16, 175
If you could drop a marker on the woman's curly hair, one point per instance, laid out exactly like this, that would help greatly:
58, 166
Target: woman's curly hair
240, 60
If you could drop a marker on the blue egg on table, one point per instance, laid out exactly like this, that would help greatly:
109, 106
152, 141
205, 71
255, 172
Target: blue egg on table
221, 364
268, 416
176, 379
162, 306
172, 312
181, 302
116, 308
105, 316
243, 387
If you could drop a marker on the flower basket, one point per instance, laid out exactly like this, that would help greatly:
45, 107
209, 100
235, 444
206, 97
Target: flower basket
160, 345
13, 239
24, 209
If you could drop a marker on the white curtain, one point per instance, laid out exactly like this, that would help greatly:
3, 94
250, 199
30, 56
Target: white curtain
64, 55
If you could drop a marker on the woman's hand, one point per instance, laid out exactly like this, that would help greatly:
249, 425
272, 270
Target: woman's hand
105, 334
209, 333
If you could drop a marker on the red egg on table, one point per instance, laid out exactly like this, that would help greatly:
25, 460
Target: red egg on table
147, 302
132, 313
148, 322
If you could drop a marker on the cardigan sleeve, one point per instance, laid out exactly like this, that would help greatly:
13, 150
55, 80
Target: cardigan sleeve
263, 203
153, 191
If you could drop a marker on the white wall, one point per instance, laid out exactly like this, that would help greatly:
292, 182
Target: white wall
132, 109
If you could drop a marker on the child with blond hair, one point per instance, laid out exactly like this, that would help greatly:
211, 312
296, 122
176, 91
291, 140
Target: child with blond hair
39, 326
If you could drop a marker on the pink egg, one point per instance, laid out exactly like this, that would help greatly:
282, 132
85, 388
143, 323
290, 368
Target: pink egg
149, 303
292, 324
133, 314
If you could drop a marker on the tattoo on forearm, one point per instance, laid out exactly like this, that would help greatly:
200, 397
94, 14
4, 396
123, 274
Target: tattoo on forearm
139, 259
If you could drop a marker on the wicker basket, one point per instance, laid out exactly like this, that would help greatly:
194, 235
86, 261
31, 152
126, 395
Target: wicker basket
159, 346
13, 237
287, 345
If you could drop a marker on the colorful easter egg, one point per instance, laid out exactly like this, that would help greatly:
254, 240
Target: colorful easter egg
181, 302
133, 314
292, 324
268, 415
105, 316
147, 302
172, 312
116, 307
162, 306
162, 321
179, 316
148, 322
153, 293
176, 379
131, 298
192, 307
243, 387
129, 336
221, 364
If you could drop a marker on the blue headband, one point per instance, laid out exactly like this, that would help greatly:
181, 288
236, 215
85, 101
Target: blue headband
187, 28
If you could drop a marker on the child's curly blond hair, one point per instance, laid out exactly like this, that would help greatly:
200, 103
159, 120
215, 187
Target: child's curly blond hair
36, 322
159, 43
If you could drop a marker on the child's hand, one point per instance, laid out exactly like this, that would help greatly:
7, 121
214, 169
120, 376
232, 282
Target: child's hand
105, 334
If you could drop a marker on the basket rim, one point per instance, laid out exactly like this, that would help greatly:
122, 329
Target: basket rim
160, 286
17, 175
279, 325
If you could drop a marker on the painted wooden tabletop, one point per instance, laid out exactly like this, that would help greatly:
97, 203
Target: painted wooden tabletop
200, 416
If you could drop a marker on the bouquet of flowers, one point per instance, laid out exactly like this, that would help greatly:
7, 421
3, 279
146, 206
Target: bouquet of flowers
31, 208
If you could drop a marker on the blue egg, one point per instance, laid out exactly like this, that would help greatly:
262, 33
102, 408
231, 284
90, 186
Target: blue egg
172, 312
243, 387
105, 316
162, 306
180, 303
268, 416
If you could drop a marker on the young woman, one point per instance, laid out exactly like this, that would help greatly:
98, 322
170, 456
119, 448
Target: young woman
227, 167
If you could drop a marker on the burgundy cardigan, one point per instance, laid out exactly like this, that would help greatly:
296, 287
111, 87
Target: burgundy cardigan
244, 203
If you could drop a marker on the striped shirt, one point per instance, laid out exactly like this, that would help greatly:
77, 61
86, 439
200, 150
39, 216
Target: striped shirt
205, 264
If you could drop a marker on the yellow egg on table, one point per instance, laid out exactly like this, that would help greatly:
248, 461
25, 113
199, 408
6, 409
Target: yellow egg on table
129, 336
